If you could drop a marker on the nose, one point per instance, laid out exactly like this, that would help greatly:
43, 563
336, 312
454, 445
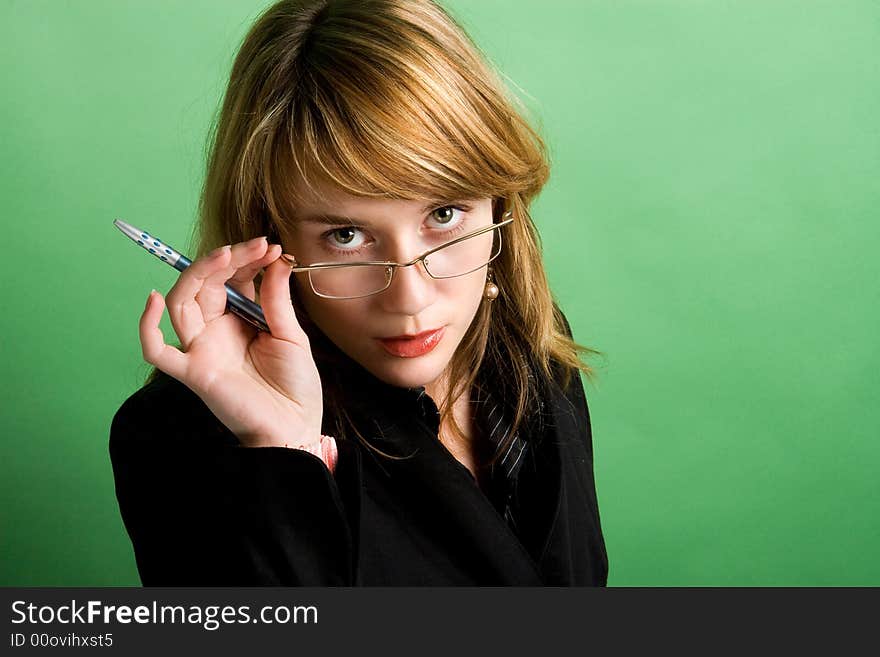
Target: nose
411, 291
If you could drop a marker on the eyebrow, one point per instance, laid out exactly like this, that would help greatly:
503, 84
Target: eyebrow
325, 218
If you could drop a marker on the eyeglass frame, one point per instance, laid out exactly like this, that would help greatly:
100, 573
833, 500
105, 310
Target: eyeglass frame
294, 268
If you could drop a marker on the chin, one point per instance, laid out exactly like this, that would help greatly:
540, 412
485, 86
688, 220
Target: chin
409, 372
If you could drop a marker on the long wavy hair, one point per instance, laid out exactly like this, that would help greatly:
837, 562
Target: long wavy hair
391, 99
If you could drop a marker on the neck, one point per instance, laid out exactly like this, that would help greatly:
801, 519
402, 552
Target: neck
437, 389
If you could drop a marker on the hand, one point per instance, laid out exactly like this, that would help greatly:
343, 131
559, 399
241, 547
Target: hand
264, 388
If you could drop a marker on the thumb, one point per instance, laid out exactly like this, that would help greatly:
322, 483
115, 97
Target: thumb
277, 306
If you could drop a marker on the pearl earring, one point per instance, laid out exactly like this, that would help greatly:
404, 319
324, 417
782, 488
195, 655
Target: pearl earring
491, 291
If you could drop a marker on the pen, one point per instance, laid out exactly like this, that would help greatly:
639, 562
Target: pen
235, 302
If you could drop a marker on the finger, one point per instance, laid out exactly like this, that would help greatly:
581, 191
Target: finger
277, 306
212, 296
243, 280
166, 357
183, 308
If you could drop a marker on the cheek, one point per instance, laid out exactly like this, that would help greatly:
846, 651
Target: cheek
334, 317
465, 293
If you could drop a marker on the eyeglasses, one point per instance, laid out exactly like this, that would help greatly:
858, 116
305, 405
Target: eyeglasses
352, 280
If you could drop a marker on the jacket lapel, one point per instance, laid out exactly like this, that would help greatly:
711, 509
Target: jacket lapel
404, 421
449, 497
539, 485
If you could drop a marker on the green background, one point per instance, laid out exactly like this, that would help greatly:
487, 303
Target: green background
710, 226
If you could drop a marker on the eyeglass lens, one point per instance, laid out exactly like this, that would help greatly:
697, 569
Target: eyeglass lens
456, 259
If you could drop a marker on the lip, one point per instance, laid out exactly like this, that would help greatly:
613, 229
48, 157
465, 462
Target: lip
412, 346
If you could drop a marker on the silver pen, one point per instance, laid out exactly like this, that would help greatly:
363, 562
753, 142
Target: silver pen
236, 302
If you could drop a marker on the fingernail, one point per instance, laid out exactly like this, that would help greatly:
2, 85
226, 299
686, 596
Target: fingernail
256, 240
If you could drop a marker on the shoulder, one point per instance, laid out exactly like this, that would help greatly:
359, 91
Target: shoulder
566, 327
562, 372
566, 391
164, 410
567, 382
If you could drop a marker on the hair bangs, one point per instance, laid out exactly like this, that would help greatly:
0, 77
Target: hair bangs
396, 125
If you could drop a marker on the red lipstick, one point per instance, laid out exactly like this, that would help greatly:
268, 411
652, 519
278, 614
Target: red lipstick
411, 346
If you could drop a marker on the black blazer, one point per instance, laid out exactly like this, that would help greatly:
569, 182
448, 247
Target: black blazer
203, 511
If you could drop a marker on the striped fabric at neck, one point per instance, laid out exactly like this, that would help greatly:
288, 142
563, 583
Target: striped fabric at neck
492, 417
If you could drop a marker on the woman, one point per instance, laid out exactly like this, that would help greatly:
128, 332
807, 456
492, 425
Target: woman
415, 416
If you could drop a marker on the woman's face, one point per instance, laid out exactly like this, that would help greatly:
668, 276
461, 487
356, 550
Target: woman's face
333, 226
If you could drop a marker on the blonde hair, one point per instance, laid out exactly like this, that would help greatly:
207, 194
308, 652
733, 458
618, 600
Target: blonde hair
391, 99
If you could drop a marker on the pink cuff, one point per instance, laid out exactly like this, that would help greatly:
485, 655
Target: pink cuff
325, 450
